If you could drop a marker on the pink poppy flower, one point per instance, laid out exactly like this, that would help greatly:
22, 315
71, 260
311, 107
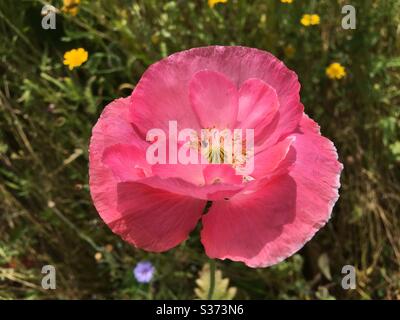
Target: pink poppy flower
260, 218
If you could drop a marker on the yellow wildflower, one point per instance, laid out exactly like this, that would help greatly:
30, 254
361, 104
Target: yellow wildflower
212, 3
335, 71
71, 7
315, 19
310, 20
286, 1
75, 57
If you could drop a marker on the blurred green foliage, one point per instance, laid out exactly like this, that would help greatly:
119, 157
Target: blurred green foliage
47, 112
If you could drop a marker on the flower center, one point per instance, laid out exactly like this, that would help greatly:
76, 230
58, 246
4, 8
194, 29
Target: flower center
222, 146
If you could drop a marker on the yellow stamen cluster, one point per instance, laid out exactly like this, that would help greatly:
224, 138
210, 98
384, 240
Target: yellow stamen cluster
220, 147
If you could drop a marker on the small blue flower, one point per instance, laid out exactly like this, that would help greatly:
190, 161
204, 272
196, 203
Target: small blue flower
144, 271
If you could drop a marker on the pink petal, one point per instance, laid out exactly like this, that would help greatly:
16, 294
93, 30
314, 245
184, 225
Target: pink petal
267, 161
192, 173
221, 173
258, 104
127, 162
242, 228
154, 220
111, 128
162, 94
214, 99
185, 188
267, 226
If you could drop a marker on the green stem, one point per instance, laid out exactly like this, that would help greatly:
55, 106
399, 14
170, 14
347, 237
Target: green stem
212, 280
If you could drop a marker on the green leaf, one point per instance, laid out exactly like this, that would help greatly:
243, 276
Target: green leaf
222, 290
